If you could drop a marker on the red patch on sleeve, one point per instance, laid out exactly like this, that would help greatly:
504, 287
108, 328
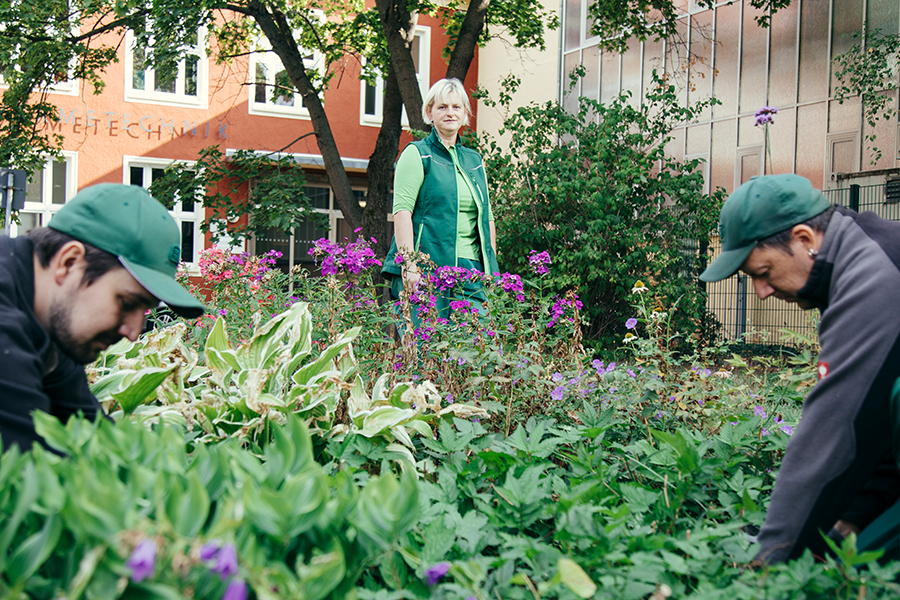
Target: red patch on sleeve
822, 370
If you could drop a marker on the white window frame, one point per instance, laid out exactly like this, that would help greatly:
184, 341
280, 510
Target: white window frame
851, 136
178, 98
266, 57
740, 153
422, 32
180, 216
44, 208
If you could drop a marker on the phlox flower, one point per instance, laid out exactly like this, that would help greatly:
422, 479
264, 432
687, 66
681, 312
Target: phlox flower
764, 116
539, 262
435, 573
142, 561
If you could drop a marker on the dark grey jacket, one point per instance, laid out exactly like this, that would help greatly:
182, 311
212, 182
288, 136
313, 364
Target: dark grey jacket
33, 374
844, 435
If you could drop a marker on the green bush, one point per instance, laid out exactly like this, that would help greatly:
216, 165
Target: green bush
597, 190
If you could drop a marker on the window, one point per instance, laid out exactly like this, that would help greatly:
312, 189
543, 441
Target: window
373, 94
46, 192
181, 85
187, 214
271, 91
295, 245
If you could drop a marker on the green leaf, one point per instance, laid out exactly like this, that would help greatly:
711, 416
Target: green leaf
139, 386
28, 494
35, 550
576, 579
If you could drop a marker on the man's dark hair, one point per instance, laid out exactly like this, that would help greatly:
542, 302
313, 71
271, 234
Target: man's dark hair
47, 242
782, 239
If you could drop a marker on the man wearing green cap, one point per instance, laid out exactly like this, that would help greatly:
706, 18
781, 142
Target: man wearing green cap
70, 290
838, 468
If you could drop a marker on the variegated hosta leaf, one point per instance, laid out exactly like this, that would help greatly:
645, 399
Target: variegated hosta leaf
384, 418
464, 411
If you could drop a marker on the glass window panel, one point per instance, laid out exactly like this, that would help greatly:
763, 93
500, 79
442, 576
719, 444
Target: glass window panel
284, 94
187, 241
138, 69
631, 70
812, 122
782, 69
883, 15
34, 189
191, 65
721, 161
570, 97
701, 48
58, 194
260, 87
343, 230
697, 139
844, 117
28, 221
753, 63
590, 84
166, 78
319, 196
725, 74
843, 156
847, 19
136, 176
609, 76
783, 141
652, 61
813, 57
370, 99
414, 50
750, 167
573, 24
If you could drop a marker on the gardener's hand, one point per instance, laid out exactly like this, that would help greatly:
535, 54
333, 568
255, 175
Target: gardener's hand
411, 277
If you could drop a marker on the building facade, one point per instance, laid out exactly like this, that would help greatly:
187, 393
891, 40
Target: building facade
144, 121
722, 52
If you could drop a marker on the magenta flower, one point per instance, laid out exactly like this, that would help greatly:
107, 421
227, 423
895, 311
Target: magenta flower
226, 562
236, 590
435, 573
142, 560
398, 259
539, 262
764, 116
631, 323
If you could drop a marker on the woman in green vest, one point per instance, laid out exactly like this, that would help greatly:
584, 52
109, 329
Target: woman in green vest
441, 204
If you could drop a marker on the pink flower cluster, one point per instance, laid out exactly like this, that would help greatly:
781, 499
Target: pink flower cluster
559, 309
765, 115
447, 278
354, 257
539, 262
512, 284
217, 265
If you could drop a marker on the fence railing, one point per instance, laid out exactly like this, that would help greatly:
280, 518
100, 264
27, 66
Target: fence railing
745, 317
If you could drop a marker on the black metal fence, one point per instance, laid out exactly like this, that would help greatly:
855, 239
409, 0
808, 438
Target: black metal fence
744, 317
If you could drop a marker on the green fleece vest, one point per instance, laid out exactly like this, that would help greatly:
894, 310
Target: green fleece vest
435, 217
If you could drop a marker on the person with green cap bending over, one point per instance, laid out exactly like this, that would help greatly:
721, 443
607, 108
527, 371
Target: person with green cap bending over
70, 290
838, 472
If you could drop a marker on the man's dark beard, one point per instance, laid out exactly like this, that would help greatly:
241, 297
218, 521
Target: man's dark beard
82, 352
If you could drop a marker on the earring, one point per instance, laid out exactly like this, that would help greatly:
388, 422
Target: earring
813, 253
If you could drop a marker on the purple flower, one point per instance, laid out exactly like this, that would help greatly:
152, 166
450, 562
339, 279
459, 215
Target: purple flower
449, 398
142, 560
558, 393
210, 550
759, 412
556, 377
435, 573
226, 562
787, 429
631, 323
398, 259
611, 367
630, 373
764, 115
539, 262
598, 366
236, 590
223, 312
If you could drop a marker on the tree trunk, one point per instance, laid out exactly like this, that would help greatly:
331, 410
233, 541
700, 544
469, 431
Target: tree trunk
399, 27
467, 40
277, 30
381, 163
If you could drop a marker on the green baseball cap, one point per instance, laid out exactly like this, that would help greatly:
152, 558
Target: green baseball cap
759, 208
129, 223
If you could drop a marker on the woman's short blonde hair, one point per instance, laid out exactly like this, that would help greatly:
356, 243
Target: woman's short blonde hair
440, 92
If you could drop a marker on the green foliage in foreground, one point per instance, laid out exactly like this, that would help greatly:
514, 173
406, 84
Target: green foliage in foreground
601, 508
